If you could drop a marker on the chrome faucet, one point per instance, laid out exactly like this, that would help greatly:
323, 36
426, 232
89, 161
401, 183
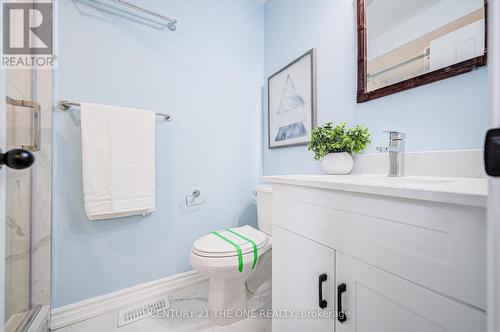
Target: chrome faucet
396, 151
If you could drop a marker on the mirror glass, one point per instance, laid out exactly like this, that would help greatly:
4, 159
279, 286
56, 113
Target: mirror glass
408, 38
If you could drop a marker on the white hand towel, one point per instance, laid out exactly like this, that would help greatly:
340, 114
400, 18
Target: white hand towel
118, 161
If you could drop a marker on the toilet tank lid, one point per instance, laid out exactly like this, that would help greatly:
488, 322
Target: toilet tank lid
211, 245
265, 188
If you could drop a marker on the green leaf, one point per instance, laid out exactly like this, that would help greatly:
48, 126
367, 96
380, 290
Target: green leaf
340, 138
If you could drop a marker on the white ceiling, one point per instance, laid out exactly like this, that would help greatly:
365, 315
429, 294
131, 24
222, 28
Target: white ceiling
385, 15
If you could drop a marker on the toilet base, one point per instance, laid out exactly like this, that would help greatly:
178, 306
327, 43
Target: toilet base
227, 300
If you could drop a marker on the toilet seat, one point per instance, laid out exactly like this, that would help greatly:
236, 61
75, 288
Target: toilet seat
213, 246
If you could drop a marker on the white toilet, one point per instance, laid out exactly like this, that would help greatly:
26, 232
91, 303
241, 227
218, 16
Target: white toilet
237, 261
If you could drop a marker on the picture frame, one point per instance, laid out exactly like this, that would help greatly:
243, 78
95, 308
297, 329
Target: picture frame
292, 102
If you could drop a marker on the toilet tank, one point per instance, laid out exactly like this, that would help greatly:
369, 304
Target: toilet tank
265, 208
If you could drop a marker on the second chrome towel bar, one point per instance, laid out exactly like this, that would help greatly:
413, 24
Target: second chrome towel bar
66, 105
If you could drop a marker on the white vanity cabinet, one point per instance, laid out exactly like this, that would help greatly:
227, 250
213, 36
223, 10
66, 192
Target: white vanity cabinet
395, 263
378, 301
302, 263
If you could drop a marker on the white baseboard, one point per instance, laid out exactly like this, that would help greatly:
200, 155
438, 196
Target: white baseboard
97, 306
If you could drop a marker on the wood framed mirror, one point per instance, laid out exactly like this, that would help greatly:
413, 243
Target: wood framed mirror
403, 44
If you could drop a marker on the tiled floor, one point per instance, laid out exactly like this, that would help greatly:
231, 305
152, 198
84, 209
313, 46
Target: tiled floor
192, 300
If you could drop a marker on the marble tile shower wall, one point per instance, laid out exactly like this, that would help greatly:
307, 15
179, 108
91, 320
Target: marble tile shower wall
42, 193
17, 267
28, 217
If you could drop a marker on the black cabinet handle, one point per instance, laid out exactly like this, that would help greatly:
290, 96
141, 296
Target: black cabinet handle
322, 303
340, 313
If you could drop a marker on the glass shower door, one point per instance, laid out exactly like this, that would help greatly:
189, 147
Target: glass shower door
28, 199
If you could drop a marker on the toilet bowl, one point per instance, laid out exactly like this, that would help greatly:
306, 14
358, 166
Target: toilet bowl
216, 256
237, 262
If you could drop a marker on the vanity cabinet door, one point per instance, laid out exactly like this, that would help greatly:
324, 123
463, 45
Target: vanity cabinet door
302, 270
377, 301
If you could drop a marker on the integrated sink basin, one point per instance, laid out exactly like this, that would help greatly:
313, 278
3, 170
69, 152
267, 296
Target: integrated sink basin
465, 191
417, 180
382, 179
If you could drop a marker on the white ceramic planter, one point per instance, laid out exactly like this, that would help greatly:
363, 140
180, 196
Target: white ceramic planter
337, 163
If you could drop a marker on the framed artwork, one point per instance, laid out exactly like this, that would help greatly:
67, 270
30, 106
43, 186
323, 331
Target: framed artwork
292, 102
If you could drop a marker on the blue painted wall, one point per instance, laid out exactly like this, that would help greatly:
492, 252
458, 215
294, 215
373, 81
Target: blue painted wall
208, 74
447, 115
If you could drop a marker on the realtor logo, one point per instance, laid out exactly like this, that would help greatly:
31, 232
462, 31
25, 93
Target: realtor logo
27, 34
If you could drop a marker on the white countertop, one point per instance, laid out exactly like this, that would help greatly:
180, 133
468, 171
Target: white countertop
461, 191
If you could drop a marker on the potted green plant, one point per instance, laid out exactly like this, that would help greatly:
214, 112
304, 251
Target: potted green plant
334, 146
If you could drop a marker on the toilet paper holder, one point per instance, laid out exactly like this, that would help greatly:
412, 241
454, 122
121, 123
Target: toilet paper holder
192, 198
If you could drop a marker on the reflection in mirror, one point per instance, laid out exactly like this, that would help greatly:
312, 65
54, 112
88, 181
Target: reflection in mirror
408, 38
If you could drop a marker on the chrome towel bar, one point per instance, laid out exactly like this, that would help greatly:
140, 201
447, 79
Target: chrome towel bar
66, 105
171, 22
